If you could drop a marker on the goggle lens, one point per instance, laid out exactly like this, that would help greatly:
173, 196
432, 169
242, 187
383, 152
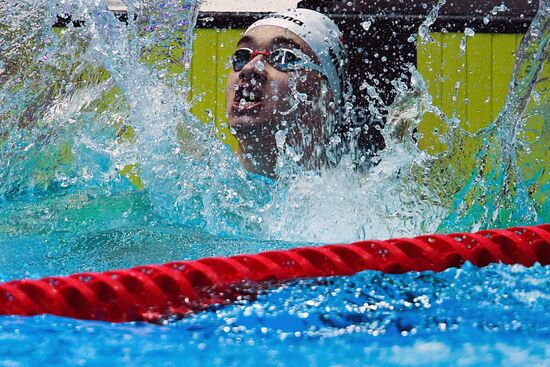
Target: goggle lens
240, 58
281, 59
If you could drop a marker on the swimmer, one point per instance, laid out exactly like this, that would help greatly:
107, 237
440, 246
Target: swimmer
284, 90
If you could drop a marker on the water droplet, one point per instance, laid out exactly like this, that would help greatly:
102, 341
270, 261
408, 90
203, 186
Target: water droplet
469, 32
260, 65
366, 25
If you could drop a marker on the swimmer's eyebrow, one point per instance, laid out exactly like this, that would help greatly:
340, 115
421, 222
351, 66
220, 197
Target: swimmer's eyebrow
245, 39
277, 41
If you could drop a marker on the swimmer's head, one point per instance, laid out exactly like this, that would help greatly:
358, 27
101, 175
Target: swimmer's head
323, 37
286, 76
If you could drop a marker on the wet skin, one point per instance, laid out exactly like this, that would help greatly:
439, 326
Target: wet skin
260, 101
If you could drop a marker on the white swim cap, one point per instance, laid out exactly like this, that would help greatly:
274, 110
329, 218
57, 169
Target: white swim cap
321, 34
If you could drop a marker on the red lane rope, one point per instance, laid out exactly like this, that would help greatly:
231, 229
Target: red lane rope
155, 292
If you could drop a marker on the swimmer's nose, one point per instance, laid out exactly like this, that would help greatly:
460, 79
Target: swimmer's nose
256, 65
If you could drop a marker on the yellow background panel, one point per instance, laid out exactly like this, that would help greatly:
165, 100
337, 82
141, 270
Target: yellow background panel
472, 85
212, 49
430, 69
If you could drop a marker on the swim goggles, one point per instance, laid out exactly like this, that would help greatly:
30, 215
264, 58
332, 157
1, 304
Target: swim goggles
282, 59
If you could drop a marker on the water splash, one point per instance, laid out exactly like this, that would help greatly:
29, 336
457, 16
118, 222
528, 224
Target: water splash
410, 192
120, 120
498, 194
101, 111
424, 28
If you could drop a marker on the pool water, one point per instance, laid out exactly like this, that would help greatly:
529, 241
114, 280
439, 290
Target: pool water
102, 166
466, 317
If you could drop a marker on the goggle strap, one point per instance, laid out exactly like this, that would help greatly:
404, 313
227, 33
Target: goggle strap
256, 53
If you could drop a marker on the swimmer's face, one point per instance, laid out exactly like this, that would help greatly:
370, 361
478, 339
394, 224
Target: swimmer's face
261, 100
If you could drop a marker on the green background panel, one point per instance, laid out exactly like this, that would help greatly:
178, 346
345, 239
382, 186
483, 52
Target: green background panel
503, 52
478, 81
430, 69
472, 81
472, 85
453, 77
212, 49
203, 74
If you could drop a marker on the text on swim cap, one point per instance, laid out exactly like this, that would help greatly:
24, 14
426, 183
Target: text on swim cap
289, 18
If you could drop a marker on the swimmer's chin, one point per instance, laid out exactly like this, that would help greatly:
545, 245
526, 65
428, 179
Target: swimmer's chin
243, 124
246, 121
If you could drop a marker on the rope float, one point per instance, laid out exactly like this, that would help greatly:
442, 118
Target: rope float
156, 292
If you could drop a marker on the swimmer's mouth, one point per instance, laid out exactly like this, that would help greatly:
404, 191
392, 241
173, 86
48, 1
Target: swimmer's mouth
247, 99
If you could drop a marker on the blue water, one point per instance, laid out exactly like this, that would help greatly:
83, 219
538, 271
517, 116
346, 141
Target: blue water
79, 106
467, 317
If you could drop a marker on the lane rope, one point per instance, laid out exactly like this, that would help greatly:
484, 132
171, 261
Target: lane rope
154, 293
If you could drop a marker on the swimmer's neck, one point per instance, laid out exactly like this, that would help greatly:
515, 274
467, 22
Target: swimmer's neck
259, 157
